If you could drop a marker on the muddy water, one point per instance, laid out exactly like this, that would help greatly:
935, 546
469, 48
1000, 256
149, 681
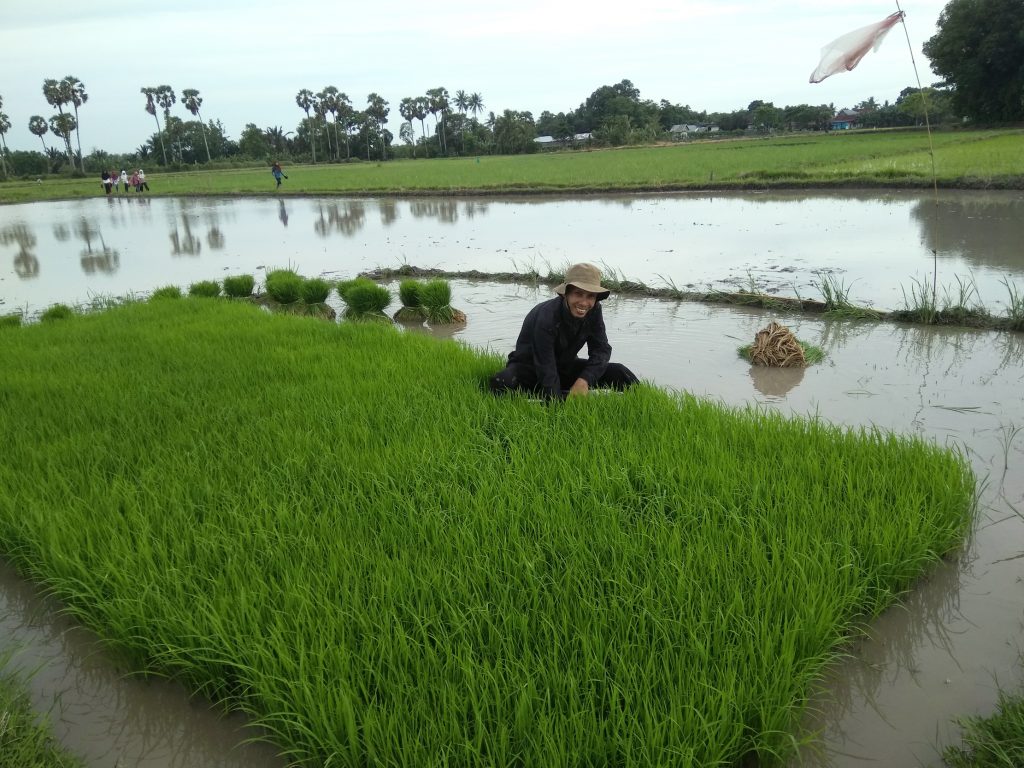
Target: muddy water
937, 656
880, 246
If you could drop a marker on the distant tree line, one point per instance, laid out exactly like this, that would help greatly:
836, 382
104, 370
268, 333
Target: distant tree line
978, 50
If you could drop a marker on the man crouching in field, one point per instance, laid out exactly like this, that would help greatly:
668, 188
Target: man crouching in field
544, 360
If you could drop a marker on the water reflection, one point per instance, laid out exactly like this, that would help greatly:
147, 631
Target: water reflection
215, 238
102, 258
346, 217
26, 265
185, 244
983, 228
282, 212
445, 210
775, 382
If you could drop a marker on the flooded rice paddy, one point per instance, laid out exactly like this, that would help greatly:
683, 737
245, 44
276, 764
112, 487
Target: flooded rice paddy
939, 655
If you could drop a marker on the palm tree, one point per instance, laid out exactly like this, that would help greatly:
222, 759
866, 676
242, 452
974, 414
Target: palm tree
193, 101
344, 116
438, 102
37, 125
57, 95
320, 110
75, 90
5, 126
476, 104
164, 96
150, 94
422, 109
277, 138
407, 109
377, 113
329, 101
461, 101
63, 125
304, 99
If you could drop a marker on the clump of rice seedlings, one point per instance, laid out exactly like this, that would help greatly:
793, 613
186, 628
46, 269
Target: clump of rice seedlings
412, 310
315, 290
835, 295
436, 296
375, 591
205, 288
12, 320
921, 306
239, 286
167, 292
996, 741
24, 740
962, 305
284, 285
1014, 307
347, 285
57, 312
812, 354
365, 300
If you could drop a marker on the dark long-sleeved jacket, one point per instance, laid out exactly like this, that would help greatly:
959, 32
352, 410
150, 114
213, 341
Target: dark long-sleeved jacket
551, 338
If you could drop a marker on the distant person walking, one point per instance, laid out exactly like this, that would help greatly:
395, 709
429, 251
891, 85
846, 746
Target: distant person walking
124, 179
105, 181
133, 182
278, 174
142, 181
114, 179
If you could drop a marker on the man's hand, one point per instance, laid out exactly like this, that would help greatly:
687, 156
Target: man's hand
579, 388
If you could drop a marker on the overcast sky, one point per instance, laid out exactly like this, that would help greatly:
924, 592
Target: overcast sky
249, 58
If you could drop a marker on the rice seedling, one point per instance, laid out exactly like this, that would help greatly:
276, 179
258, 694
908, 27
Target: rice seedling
812, 353
315, 290
347, 285
436, 297
1014, 307
166, 292
57, 312
375, 590
205, 288
412, 310
836, 296
12, 320
366, 300
996, 741
962, 306
239, 286
921, 306
284, 285
24, 739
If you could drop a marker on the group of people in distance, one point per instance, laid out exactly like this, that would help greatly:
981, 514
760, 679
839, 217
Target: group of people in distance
111, 180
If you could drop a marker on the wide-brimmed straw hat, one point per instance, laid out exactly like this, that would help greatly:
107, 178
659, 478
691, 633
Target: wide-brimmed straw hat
586, 277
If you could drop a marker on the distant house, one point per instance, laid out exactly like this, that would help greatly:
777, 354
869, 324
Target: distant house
685, 130
845, 120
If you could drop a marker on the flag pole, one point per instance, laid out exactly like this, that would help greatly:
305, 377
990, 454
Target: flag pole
931, 153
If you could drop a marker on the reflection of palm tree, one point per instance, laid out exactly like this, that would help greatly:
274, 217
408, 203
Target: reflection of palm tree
26, 265
388, 212
189, 244
215, 238
107, 261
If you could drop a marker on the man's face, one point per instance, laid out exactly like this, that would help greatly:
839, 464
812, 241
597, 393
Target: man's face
578, 301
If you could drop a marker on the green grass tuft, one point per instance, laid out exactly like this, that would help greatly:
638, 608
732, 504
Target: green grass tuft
12, 320
26, 742
239, 286
409, 293
57, 312
284, 286
205, 288
167, 292
315, 290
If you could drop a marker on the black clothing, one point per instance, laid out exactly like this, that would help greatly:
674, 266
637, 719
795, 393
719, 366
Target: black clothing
545, 361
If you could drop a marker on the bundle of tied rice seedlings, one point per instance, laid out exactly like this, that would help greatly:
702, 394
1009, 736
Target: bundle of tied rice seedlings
365, 299
412, 310
436, 297
239, 286
776, 346
315, 290
284, 285
205, 288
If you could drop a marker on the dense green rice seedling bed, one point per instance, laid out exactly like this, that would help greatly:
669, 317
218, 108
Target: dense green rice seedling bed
335, 528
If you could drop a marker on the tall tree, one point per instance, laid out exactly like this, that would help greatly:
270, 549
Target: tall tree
978, 50
344, 116
438, 100
320, 110
74, 89
476, 104
57, 95
193, 101
407, 109
164, 96
150, 94
304, 99
461, 101
5, 126
422, 110
64, 125
37, 125
377, 111
329, 102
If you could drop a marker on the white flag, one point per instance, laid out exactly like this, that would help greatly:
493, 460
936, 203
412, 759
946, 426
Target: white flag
844, 53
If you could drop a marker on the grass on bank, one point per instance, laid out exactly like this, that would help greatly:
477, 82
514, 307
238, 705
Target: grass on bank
25, 741
996, 741
975, 159
336, 529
